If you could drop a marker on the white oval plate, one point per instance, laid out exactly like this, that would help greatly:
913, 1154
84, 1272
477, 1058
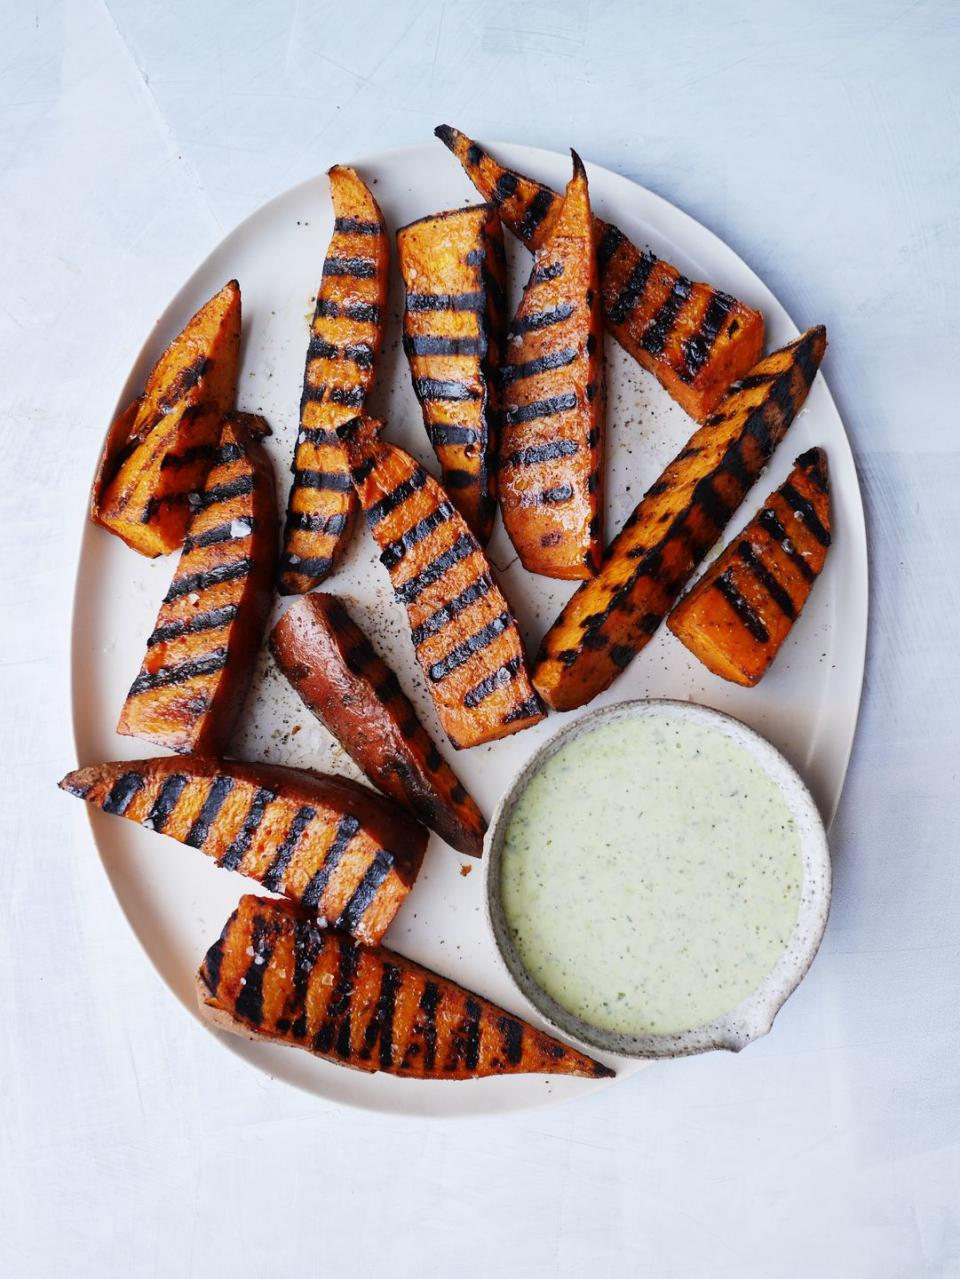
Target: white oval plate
176, 901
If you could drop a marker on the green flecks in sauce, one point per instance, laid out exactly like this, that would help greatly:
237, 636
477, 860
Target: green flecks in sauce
651, 875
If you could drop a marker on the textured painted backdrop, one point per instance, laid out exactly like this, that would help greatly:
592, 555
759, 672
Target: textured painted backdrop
819, 140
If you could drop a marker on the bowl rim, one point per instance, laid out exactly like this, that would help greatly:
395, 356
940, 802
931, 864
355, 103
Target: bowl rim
755, 1014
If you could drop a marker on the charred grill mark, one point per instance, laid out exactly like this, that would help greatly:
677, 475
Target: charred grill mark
236, 529
362, 312
340, 1000
506, 186
212, 966
752, 381
488, 686
366, 890
429, 344
535, 212
541, 319
438, 620
804, 512
317, 435
814, 465
347, 828
167, 675
633, 290
232, 858
472, 1027
518, 414
770, 523
326, 309
622, 655
445, 301
333, 525
541, 274
380, 1025
220, 788
273, 879
195, 453
239, 487
306, 565
356, 226
396, 497
412, 589
211, 621
429, 1003
249, 1002
696, 350
611, 241
430, 388
524, 710
325, 481
751, 620
349, 396
442, 436
551, 497
197, 583
392, 554
542, 453
767, 580
512, 1032
543, 364
320, 349
475, 643
661, 326
185, 381
122, 792
166, 802
307, 949
351, 268
457, 479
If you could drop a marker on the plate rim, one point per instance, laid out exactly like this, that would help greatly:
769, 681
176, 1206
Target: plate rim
683, 221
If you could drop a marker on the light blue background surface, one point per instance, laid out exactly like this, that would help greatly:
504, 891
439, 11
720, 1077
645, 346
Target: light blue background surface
820, 141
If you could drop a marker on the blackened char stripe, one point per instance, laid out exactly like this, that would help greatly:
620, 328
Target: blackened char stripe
392, 554
350, 396
325, 481
249, 1002
243, 526
445, 301
487, 687
632, 291
535, 212
697, 349
770, 523
542, 453
542, 319
366, 891
412, 589
380, 1025
347, 828
475, 643
351, 268
472, 1027
338, 1010
317, 435
306, 565
438, 620
362, 312
550, 497
754, 624
307, 949
661, 326
381, 509
549, 271
525, 710
239, 487
520, 413
168, 675
333, 525
612, 239
232, 858
166, 802
428, 344
804, 512
543, 364
210, 621
212, 965
429, 1003
356, 226
220, 788
431, 388
122, 792
767, 580
512, 1032
274, 877
506, 186
441, 435
197, 583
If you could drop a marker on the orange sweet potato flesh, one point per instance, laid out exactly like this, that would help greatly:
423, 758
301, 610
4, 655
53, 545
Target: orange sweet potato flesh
551, 456
202, 651
345, 339
338, 849
694, 338
276, 976
142, 486
612, 617
357, 697
466, 639
737, 616
454, 273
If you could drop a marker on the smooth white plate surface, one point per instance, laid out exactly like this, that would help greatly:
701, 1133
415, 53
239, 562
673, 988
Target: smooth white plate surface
177, 901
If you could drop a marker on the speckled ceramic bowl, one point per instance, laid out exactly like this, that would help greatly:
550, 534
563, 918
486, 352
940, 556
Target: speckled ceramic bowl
754, 1015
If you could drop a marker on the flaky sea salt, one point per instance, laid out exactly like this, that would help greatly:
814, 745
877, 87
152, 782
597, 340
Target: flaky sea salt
193, 598
240, 528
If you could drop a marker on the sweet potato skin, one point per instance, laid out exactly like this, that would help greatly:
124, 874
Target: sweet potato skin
737, 616
551, 459
609, 619
276, 976
454, 273
695, 339
345, 339
466, 639
338, 849
355, 695
141, 489
201, 654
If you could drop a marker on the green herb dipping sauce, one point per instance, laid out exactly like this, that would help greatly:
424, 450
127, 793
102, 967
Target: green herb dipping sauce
650, 875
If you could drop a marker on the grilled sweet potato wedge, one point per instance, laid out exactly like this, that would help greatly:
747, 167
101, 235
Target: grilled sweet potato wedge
357, 697
201, 654
551, 457
142, 485
693, 338
345, 340
340, 850
738, 614
609, 619
276, 976
467, 642
454, 273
